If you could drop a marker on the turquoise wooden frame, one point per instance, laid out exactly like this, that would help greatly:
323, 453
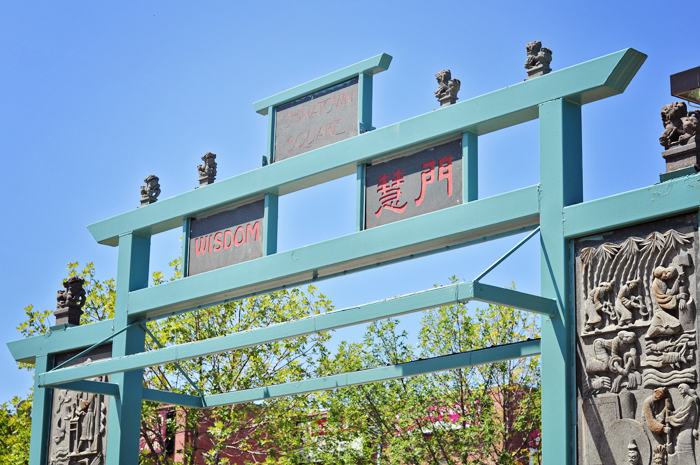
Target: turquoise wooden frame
555, 206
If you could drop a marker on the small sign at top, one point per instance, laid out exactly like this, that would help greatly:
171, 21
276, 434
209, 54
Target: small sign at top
317, 120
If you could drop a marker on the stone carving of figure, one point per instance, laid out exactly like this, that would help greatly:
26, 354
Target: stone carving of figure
668, 300
617, 356
633, 457
657, 409
151, 191
679, 125
686, 418
595, 303
660, 455
448, 88
207, 171
625, 302
86, 409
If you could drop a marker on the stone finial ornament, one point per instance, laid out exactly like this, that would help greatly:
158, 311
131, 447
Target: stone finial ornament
151, 191
207, 171
680, 137
538, 60
446, 92
70, 301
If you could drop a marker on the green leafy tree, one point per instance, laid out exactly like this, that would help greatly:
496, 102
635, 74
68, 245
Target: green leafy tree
483, 414
15, 430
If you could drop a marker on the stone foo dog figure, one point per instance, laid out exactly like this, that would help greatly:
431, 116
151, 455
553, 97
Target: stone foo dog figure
446, 92
538, 59
680, 126
151, 191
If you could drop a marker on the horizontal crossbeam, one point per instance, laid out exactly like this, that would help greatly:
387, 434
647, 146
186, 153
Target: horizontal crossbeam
433, 232
583, 83
641, 205
371, 66
375, 375
96, 387
445, 295
62, 340
171, 398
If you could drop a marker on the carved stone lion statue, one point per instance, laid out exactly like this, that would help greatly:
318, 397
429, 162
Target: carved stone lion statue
679, 125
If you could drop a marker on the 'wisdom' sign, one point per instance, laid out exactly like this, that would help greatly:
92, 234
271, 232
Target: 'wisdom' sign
226, 238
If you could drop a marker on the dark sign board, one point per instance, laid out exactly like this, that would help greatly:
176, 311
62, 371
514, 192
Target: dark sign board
415, 184
317, 120
225, 238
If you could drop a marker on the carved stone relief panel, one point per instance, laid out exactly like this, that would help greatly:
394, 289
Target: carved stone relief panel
636, 344
79, 419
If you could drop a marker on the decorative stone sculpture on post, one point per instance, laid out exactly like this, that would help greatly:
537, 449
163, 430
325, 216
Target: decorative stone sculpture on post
446, 92
151, 191
538, 60
207, 171
680, 137
70, 301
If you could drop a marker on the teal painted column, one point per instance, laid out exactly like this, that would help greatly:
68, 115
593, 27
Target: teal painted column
364, 86
561, 185
185, 246
41, 414
124, 424
470, 166
270, 134
360, 198
270, 224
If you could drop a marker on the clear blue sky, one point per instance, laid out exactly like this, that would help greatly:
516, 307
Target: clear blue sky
95, 96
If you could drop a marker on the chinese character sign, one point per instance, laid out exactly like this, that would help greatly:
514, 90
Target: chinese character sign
414, 184
316, 120
226, 238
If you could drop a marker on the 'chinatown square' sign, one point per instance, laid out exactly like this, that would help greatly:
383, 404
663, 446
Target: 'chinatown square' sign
414, 184
317, 120
225, 238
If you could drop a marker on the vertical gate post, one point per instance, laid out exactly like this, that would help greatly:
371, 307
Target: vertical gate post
470, 166
124, 425
41, 414
561, 184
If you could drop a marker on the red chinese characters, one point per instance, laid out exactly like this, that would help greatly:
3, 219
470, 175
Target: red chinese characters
443, 170
389, 192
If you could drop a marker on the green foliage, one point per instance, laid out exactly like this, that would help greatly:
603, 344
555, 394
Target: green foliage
15, 430
483, 414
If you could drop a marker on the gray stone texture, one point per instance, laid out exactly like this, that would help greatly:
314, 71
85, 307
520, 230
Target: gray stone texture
226, 238
414, 184
317, 120
78, 433
636, 343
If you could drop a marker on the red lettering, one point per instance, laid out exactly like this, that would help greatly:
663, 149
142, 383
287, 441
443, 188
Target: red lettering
305, 112
253, 231
320, 133
209, 243
345, 95
329, 128
290, 141
340, 100
228, 233
217, 241
315, 110
324, 105
200, 245
335, 127
445, 172
296, 142
236, 242
426, 177
282, 121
